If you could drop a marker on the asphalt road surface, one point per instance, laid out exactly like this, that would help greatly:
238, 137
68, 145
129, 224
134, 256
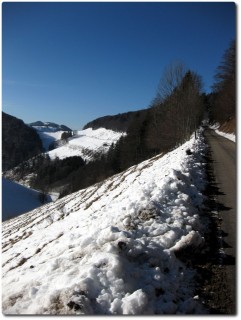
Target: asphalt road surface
223, 156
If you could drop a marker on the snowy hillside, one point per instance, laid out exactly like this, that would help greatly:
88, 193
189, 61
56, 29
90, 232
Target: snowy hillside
86, 142
48, 138
17, 199
49, 132
111, 248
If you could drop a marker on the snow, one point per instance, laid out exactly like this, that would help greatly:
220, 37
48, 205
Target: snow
17, 199
86, 142
230, 136
111, 248
48, 137
48, 133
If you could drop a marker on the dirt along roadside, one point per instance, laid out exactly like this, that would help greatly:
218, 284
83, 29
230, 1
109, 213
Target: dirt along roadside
221, 278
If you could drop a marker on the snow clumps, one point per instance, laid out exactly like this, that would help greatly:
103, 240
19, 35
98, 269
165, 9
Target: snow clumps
111, 248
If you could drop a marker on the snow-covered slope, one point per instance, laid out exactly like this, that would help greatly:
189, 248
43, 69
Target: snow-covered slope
111, 248
49, 132
86, 142
48, 138
17, 199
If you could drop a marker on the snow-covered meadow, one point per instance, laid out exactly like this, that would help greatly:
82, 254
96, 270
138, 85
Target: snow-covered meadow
111, 248
86, 142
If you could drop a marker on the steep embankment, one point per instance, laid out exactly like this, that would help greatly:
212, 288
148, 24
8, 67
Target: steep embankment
229, 126
111, 248
228, 129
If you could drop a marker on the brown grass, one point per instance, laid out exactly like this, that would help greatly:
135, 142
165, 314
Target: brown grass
228, 126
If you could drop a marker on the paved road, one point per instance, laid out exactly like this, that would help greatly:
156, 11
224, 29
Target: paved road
223, 154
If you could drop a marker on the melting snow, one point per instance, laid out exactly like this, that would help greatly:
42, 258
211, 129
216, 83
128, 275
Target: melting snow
110, 248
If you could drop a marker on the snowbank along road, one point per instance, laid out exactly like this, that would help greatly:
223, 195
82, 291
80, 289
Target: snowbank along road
223, 154
111, 248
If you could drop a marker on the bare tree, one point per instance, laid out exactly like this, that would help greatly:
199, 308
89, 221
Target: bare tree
178, 109
171, 79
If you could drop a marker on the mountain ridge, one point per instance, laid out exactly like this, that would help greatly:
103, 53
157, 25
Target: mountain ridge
49, 125
119, 122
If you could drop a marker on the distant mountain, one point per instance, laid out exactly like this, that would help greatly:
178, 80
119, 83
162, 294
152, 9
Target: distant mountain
120, 122
19, 142
49, 126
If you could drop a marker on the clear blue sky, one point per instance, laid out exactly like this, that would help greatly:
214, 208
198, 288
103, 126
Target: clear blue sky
73, 62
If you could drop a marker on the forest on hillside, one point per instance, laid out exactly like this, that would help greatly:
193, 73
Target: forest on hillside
19, 142
175, 113
222, 100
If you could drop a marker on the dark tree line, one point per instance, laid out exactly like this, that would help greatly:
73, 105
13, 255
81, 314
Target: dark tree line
177, 110
19, 142
50, 174
223, 97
